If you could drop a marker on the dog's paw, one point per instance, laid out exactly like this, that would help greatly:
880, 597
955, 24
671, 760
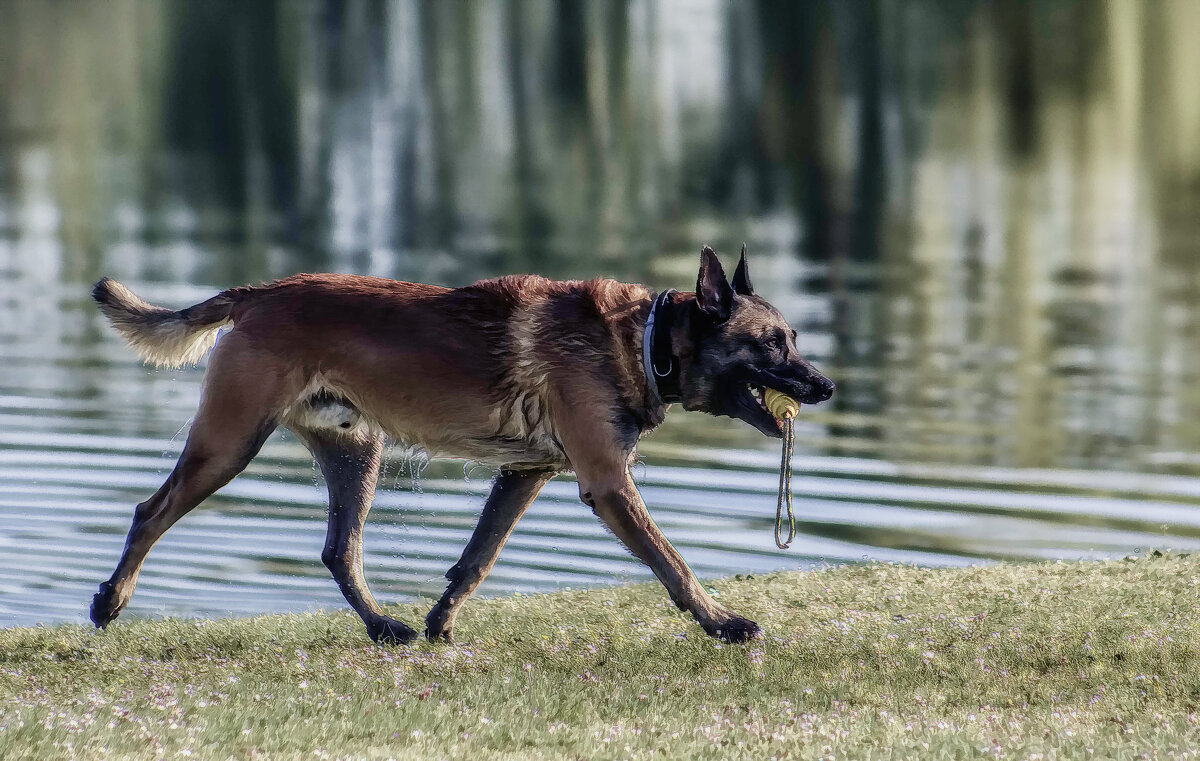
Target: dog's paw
444, 636
439, 625
736, 630
389, 631
105, 606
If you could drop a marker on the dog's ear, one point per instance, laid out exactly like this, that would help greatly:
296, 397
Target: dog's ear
741, 277
714, 297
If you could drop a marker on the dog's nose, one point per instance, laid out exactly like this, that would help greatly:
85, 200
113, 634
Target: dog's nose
825, 388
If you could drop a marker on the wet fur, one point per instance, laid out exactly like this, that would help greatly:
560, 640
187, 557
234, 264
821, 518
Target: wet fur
529, 375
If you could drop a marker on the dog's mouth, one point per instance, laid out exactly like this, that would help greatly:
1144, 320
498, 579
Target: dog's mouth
751, 408
748, 403
760, 395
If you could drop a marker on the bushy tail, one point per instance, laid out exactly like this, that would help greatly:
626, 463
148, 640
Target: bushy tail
158, 335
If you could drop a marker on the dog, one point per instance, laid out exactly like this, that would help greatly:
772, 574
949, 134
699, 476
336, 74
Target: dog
531, 376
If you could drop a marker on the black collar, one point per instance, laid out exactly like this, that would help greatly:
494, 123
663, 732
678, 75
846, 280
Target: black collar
661, 365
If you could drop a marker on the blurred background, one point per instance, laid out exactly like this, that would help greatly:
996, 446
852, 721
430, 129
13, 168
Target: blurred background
980, 217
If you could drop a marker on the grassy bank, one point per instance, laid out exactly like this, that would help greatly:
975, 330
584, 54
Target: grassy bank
1075, 660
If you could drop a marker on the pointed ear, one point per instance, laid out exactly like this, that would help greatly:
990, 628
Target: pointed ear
741, 277
714, 297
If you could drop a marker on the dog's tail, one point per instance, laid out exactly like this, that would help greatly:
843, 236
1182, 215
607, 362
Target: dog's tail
161, 336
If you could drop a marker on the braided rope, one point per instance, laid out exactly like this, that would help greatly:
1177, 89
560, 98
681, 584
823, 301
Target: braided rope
784, 408
785, 489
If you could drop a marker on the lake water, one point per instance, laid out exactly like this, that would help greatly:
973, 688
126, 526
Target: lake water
981, 222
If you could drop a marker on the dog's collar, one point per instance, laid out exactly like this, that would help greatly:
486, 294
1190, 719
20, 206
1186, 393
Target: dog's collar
662, 369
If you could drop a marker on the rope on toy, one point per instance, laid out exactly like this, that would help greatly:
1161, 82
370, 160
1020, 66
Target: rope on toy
785, 409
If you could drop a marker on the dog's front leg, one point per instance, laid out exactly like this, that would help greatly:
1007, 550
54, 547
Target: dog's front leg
600, 451
512, 492
617, 502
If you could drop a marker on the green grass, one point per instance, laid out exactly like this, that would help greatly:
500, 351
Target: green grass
1068, 660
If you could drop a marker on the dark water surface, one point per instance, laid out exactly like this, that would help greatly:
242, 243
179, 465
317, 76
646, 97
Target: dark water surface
982, 222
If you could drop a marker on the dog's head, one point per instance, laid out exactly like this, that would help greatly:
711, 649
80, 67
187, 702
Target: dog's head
739, 346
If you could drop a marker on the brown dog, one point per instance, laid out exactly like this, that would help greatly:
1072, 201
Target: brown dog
530, 375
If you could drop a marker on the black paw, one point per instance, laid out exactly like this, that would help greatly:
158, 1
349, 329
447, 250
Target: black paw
439, 625
389, 631
105, 606
445, 636
737, 630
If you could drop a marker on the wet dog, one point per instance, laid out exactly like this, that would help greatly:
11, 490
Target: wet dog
532, 376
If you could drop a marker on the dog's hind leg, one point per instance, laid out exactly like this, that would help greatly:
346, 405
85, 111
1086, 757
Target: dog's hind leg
350, 464
238, 411
512, 493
